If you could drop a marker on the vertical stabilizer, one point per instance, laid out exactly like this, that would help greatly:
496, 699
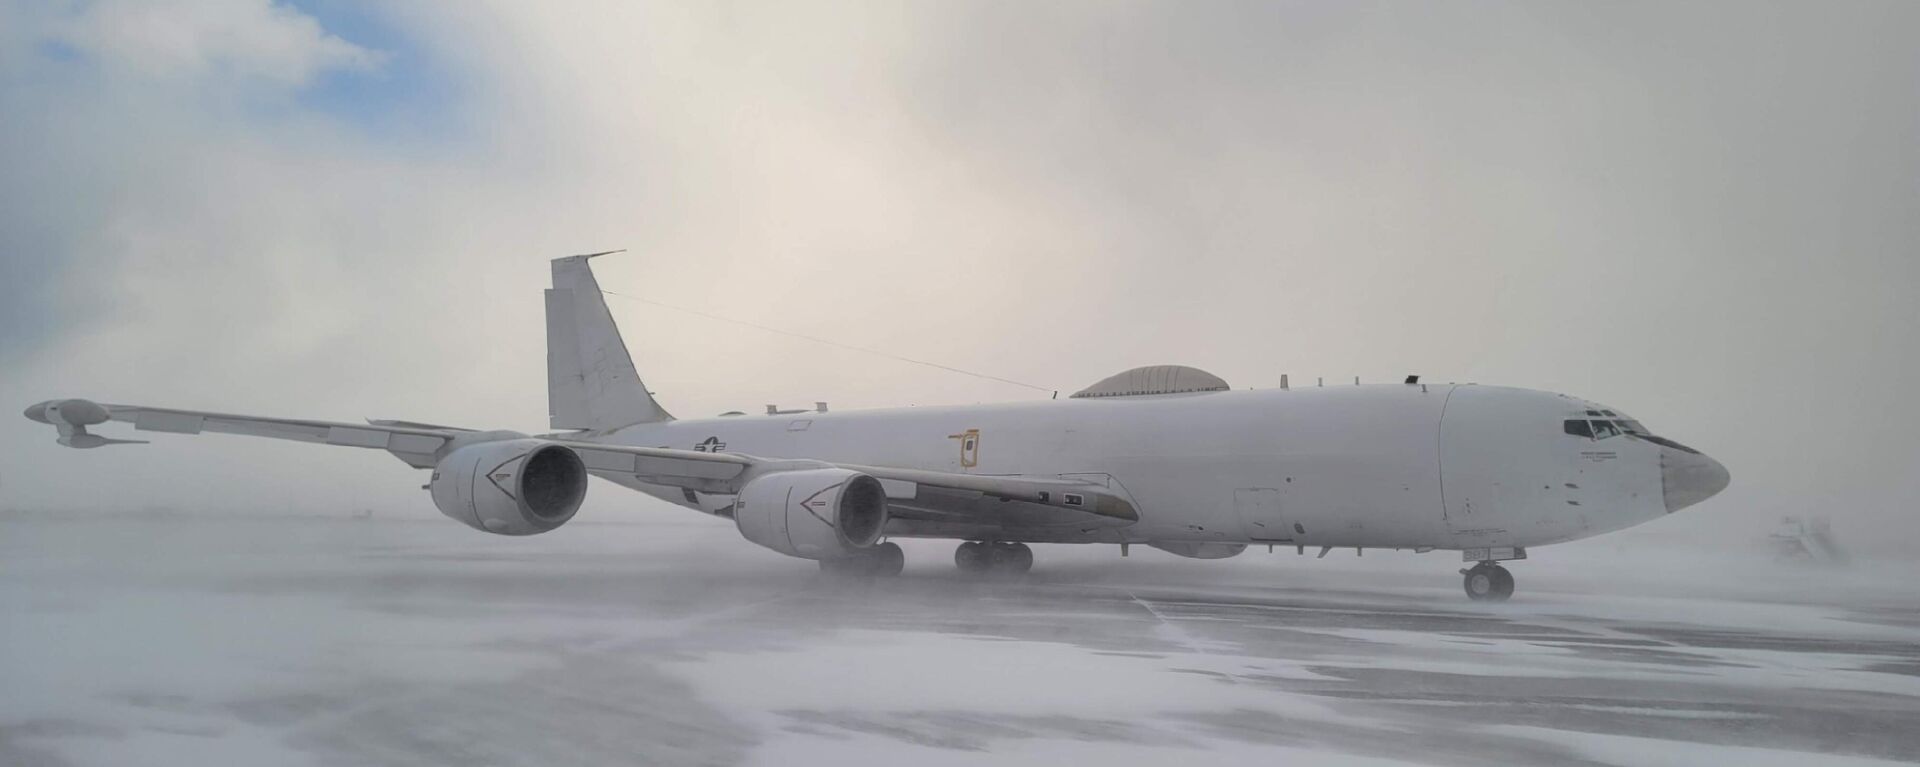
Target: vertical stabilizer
591, 381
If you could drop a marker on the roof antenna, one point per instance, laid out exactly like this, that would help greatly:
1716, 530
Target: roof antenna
1283, 381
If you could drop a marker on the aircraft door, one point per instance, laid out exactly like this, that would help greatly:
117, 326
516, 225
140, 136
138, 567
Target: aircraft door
1260, 515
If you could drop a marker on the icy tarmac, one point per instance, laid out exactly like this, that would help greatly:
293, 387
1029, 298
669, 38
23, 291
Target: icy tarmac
670, 641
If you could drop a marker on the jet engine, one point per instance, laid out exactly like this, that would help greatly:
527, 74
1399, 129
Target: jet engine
515, 487
812, 513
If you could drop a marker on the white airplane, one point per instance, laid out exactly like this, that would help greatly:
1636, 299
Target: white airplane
1165, 456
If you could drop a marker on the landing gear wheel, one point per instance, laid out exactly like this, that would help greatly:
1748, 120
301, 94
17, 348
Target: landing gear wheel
971, 557
1010, 558
1488, 582
886, 560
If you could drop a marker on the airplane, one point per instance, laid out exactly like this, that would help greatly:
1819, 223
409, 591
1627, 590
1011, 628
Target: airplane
1166, 456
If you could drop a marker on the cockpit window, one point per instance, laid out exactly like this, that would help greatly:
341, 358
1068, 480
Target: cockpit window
1601, 423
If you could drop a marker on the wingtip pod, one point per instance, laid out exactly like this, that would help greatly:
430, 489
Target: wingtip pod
72, 417
70, 412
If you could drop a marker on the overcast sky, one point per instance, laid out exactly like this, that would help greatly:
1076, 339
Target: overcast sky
1706, 214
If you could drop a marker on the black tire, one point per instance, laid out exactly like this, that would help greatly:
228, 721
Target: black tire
971, 557
886, 560
1502, 584
1024, 554
1488, 582
1479, 583
1010, 558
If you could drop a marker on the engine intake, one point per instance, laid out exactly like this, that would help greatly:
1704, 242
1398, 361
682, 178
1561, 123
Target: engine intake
812, 513
515, 487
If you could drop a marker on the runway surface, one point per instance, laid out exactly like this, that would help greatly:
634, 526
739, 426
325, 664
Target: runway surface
173, 641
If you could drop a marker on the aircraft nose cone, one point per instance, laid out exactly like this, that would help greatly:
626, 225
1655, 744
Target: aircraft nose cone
1688, 478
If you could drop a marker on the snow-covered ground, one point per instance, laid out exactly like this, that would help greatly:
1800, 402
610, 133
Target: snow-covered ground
201, 640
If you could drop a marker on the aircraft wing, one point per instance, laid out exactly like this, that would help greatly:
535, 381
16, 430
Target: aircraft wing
413, 443
931, 496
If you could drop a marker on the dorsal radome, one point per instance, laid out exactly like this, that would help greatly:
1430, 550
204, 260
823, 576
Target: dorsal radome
1154, 379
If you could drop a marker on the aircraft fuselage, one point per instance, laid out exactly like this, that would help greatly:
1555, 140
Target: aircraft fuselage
1391, 466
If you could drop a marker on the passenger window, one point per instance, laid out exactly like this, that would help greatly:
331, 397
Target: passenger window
1578, 428
1604, 429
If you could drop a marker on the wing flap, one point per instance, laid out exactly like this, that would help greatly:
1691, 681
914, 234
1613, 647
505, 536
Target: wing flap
352, 437
162, 421
1069, 501
689, 469
962, 507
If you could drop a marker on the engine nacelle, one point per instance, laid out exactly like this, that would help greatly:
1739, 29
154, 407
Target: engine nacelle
515, 487
812, 513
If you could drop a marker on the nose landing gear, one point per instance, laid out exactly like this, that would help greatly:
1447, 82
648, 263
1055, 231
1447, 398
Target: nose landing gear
1488, 582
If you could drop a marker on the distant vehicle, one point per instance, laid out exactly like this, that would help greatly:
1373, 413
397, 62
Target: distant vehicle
1799, 539
1166, 456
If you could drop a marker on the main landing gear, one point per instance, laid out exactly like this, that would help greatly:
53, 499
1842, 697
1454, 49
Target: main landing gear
990, 556
884, 560
1488, 582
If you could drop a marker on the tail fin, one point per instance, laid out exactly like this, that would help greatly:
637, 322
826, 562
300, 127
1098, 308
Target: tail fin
591, 381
